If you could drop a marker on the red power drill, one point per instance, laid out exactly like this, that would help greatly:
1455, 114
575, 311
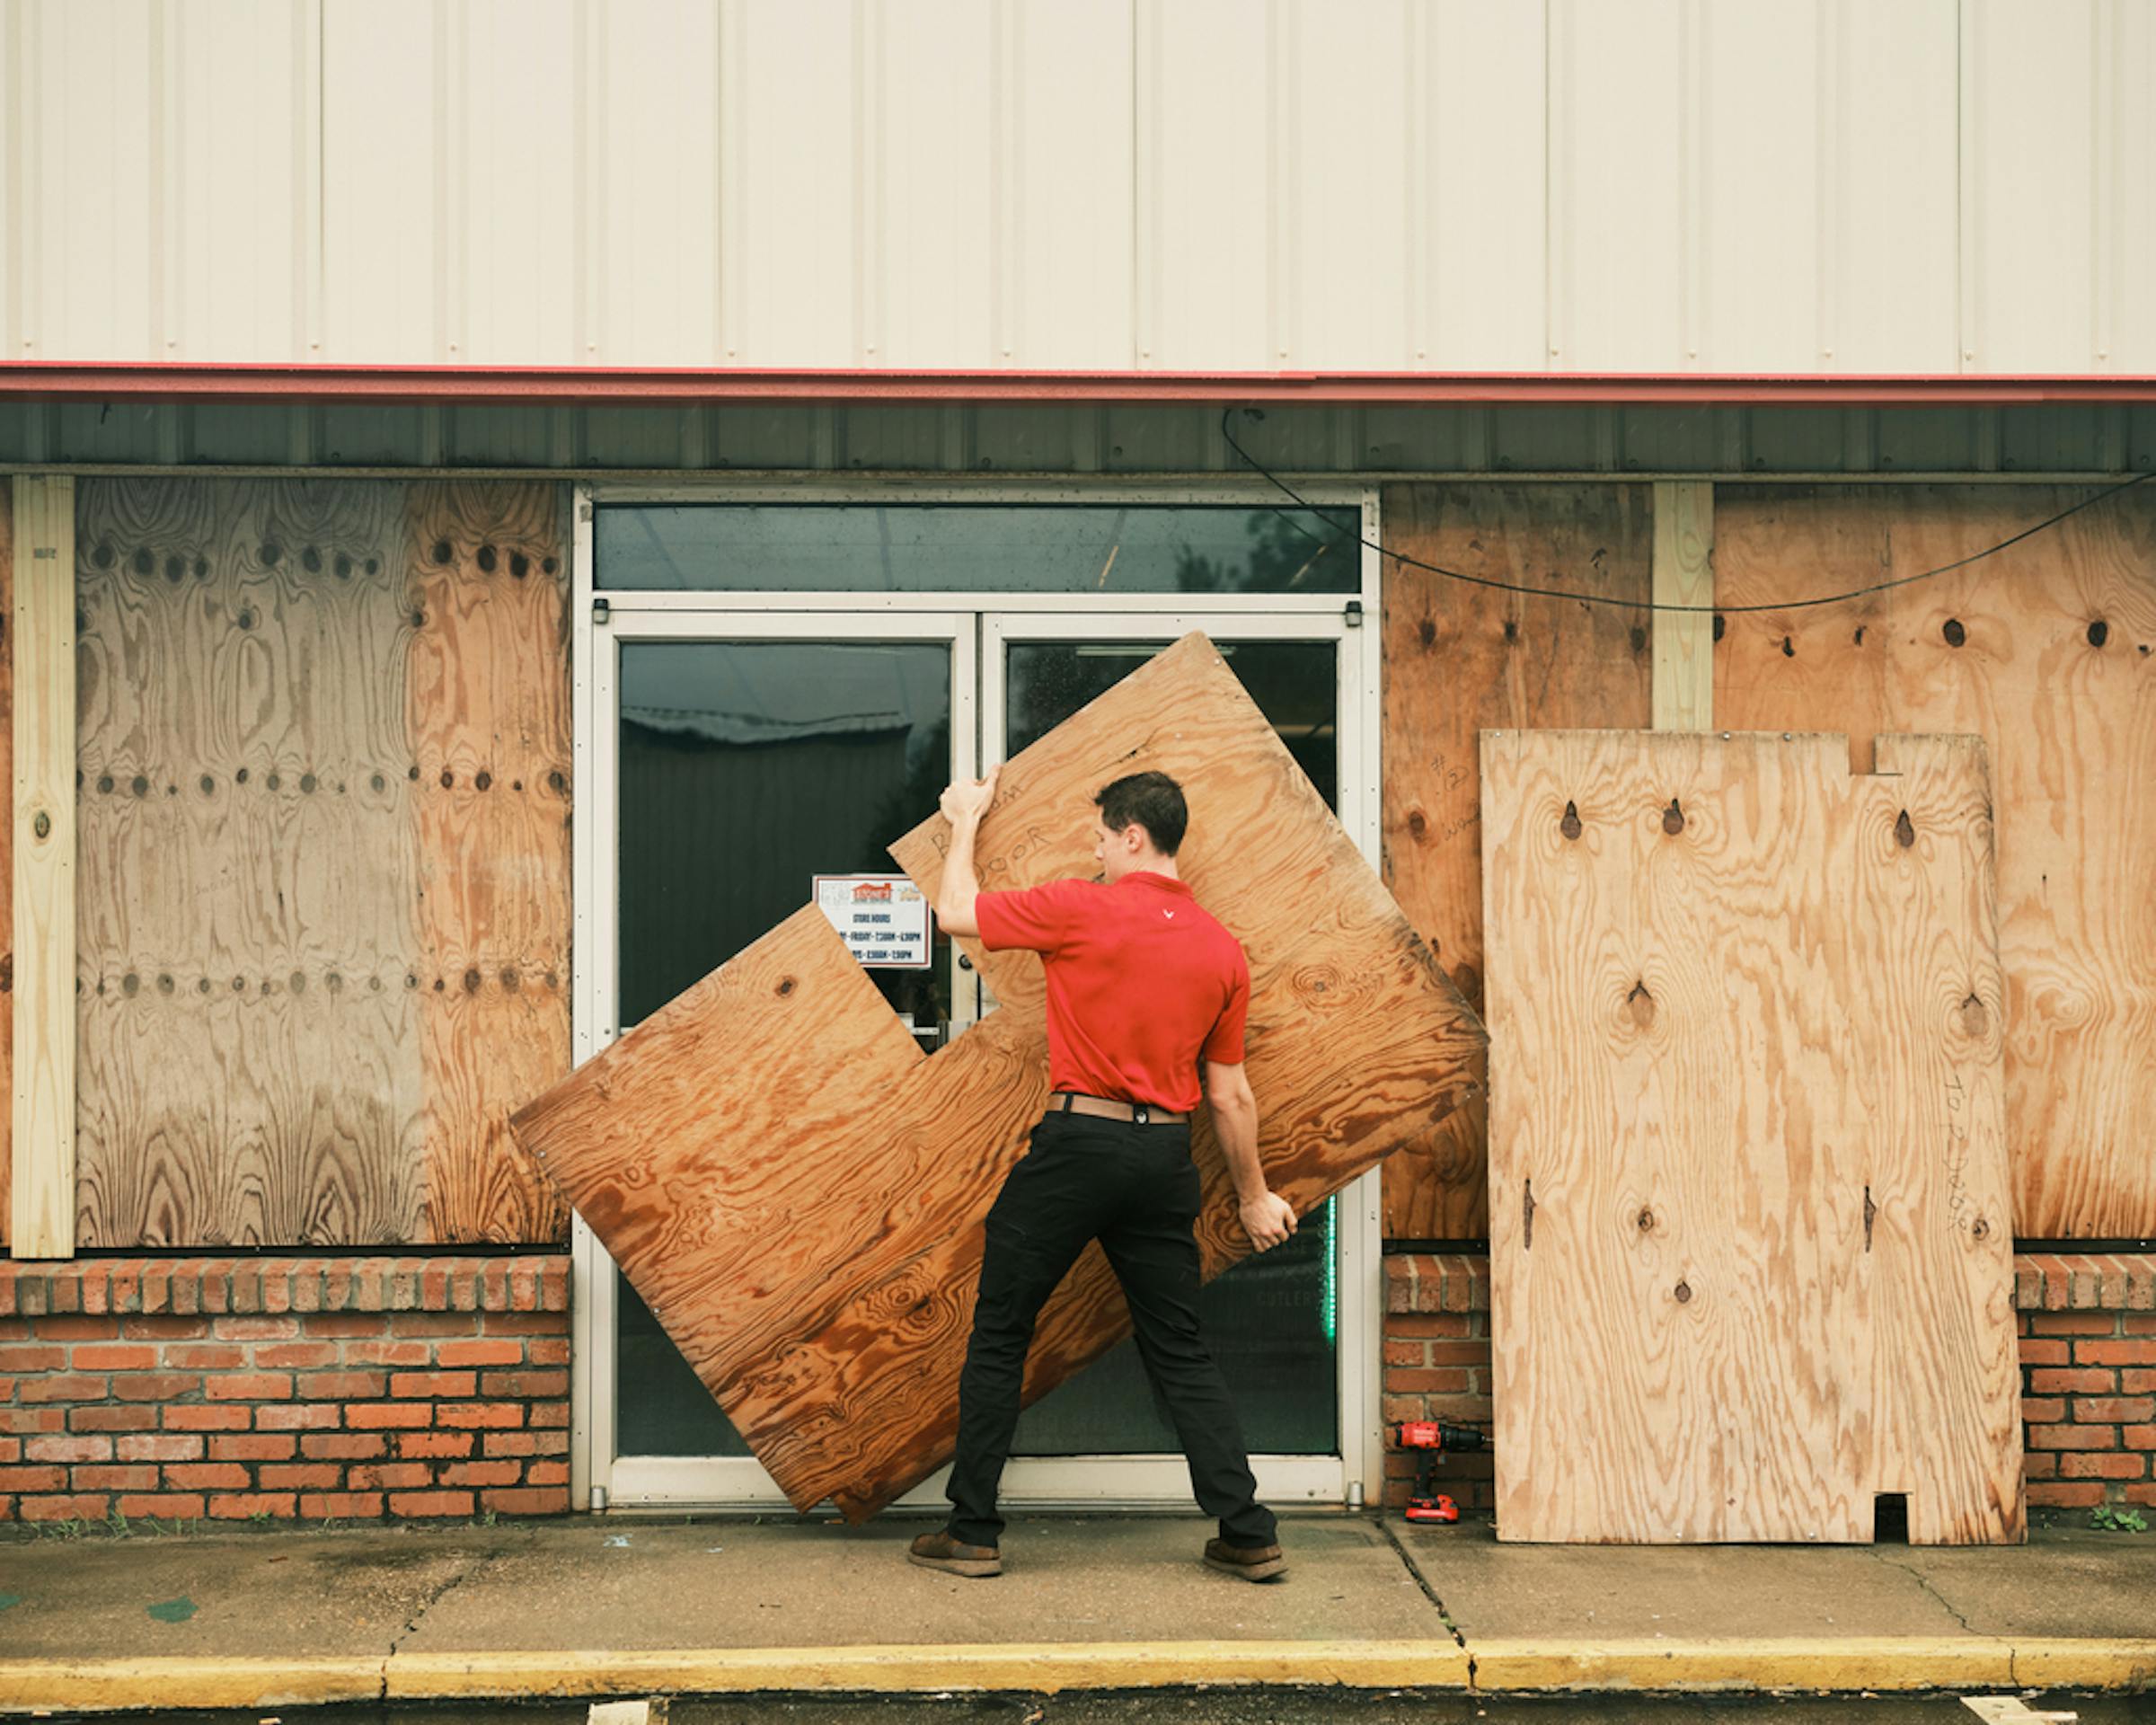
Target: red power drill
1430, 1439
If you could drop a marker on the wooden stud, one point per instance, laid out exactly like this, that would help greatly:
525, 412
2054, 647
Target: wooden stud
42, 1222
1684, 575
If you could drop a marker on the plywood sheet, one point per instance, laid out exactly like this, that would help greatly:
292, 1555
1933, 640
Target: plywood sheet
7, 848
1457, 658
323, 783
798, 1192
2048, 652
1749, 1261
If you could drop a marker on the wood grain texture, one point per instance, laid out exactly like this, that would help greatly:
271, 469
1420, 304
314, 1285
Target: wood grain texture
1745, 1159
2048, 652
7, 849
487, 709
1458, 658
42, 627
798, 1193
1684, 577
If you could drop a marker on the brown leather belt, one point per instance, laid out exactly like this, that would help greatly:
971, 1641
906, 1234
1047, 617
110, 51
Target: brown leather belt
1071, 1102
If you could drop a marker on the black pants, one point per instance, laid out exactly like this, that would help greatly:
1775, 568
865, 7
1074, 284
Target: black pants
1135, 1189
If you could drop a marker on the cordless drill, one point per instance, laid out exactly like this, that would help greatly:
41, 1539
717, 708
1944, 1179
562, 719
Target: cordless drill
1430, 1439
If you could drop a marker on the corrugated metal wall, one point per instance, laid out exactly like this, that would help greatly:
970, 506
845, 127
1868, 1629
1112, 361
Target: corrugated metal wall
1454, 185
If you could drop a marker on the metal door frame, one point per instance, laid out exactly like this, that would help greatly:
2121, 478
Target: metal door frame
601, 619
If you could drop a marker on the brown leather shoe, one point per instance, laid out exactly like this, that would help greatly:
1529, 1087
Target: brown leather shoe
940, 1551
1251, 1562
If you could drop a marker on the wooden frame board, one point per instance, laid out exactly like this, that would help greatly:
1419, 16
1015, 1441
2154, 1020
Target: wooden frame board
798, 1192
1751, 1260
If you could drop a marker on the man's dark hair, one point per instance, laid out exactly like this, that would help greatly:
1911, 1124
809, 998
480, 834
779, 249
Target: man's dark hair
1152, 800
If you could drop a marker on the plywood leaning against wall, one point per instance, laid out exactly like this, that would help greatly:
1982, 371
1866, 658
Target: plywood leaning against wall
1458, 658
1751, 1265
798, 1192
2048, 652
323, 923
7, 851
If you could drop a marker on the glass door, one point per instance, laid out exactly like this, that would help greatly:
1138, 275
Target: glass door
1274, 1323
746, 755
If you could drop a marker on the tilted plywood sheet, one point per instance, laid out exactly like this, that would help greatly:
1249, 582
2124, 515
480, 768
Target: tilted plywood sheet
1459, 657
1751, 1264
798, 1192
2048, 652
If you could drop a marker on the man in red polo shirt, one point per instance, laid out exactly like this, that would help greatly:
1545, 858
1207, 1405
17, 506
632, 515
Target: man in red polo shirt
1143, 985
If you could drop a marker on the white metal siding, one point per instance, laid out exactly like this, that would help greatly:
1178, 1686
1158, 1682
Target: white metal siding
1405, 185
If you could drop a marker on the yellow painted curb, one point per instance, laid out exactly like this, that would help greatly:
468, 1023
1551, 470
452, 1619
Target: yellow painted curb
1975, 1661
1032, 1665
107, 1685
2075, 1663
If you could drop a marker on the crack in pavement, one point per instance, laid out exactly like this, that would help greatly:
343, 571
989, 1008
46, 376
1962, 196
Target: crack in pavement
1415, 1569
484, 1560
1924, 1582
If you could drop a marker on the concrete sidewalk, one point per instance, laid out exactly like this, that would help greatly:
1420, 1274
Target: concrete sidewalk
623, 1605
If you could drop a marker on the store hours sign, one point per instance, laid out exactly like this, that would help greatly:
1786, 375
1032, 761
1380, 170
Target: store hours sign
883, 919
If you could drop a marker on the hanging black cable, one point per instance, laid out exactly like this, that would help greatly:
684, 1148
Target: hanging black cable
1647, 604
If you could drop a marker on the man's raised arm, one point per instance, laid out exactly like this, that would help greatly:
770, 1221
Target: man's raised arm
964, 804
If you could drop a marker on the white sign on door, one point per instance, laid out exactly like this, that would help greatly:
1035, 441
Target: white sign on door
883, 919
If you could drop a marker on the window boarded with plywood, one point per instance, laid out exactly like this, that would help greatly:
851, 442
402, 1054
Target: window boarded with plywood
324, 870
1458, 658
2048, 652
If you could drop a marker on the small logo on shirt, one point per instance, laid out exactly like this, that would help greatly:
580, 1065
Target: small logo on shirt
1169, 915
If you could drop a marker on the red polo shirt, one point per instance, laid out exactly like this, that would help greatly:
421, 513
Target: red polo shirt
1142, 983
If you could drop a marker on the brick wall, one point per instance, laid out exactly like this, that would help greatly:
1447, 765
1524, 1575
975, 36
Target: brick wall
305, 1387
2088, 1329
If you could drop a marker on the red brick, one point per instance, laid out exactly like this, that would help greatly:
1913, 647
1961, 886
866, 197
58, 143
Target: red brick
2055, 1380
525, 1386
2040, 1465
155, 1386
79, 1506
481, 1472
2072, 1323
134, 1415
314, 1505
115, 1356
546, 1473
160, 1446
464, 1414
69, 1449
253, 1446
547, 1350
179, 1505
248, 1386
2061, 1495
31, 1356
254, 1329
524, 1323
101, 1328
435, 1443
33, 1479
550, 1413
526, 1500
490, 1351
340, 1325
433, 1384
2138, 1323
2138, 1436
297, 1416
368, 1476
63, 1386
526, 1442
2044, 1352
161, 1326
2099, 1466
2138, 1381
1404, 1382
1430, 1325
205, 1419
210, 1475
342, 1386
286, 1354
1405, 1353
2114, 1410
2115, 1352
31, 1419
207, 1357
2043, 1410
344, 1446
115, 1476
374, 1415
306, 1475
388, 1353
429, 1503
2146, 1493
2074, 1438
239, 1506
429, 1323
